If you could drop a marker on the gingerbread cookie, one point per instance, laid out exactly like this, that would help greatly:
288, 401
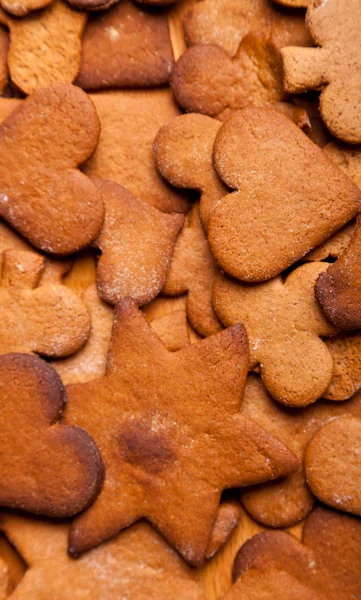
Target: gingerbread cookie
284, 326
348, 158
333, 464
168, 318
44, 48
287, 501
46, 467
38, 316
235, 19
183, 152
138, 563
345, 350
280, 211
21, 9
62, 128
227, 519
334, 67
333, 247
125, 47
130, 120
137, 242
338, 290
160, 417
193, 270
325, 564
207, 80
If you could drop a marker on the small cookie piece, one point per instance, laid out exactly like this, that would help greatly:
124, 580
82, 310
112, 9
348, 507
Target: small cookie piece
207, 80
37, 316
193, 270
130, 120
286, 502
168, 318
325, 564
280, 211
60, 125
44, 48
345, 350
284, 325
338, 290
348, 158
138, 563
227, 519
24, 7
183, 151
333, 464
137, 242
125, 47
235, 19
334, 67
46, 467
161, 416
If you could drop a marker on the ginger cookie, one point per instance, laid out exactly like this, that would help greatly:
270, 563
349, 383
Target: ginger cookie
227, 519
285, 327
193, 270
324, 564
125, 47
23, 8
130, 120
46, 467
338, 290
348, 158
333, 464
137, 563
207, 80
38, 316
333, 67
45, 47
224, 23
287, 501
183, 151
333, 247
168, 318
279, 212
345, 350
160, 415
137, 242
61, 126
4, 47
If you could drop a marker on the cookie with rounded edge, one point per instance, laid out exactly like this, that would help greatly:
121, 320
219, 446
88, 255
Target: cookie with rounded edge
44, 48
192, 270
137, 563
290, 197
333, 464
38, 316
234, 19
345, 350
333, 67
125, 47
136, 241
285, 327
285, 502
61, 126
157, 416
130, 120
323, 564
46, 467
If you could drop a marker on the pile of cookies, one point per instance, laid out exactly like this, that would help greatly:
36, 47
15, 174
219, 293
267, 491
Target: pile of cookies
180, 299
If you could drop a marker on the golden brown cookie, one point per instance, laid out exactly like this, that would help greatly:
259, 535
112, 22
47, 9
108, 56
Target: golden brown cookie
338, 289
46, 467
125, 47
137, 563
325, 564
284, 325
227, 519
156, 415
290, 196
24, 7
4, 47
130, 120
136, 242
225, 22
333, 464
60, 125
333, 67
287, 501
345, 350
193, 270
348, 158
45, 47
168, 318
207, 80
183, 151
333, 247
38, 316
